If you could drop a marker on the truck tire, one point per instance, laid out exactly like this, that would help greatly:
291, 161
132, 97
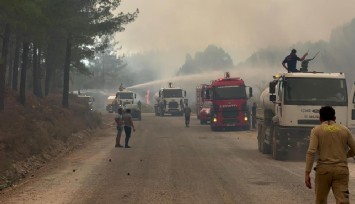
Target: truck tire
262, 146
276, 153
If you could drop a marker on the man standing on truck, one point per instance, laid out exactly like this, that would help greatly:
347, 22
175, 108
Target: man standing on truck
291, 61
332, 142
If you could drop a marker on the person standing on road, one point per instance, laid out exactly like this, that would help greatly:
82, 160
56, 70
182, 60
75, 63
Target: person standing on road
128, 126
332, 142
291, 61
187, 112
119, 126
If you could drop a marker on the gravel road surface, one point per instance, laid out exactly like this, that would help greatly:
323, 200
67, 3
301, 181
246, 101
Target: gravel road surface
169, 163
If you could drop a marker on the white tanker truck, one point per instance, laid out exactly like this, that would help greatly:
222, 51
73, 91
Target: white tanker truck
289, 109
169, 100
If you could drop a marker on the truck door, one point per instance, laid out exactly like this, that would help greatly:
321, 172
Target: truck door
279, 94
351, 110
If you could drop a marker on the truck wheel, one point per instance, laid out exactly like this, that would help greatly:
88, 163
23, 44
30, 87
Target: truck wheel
277, 154
259, 137
259, 140
264, 147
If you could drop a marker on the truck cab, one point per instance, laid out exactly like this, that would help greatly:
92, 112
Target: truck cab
289, 109
125, 97
170, 100
229, 103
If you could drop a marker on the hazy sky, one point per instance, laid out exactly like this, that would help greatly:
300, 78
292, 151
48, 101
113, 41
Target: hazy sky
239, 26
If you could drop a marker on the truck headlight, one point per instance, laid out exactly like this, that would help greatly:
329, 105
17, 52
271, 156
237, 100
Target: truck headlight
214, 120
245, 117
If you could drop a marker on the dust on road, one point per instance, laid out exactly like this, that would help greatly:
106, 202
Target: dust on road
168, 163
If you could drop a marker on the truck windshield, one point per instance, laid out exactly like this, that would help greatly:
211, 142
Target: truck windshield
314, 91
172, 93
124, 95
229, 92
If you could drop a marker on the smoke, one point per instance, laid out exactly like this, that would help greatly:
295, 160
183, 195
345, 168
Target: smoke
255, 78
240, 27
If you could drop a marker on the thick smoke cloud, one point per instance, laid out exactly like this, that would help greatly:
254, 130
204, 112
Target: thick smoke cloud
239, 26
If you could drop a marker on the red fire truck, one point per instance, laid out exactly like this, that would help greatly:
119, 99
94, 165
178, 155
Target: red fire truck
200, 97
229, 103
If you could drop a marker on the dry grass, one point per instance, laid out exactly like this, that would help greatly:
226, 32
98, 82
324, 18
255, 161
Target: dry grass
41, 127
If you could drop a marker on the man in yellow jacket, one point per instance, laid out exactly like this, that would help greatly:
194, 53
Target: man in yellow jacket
334, 144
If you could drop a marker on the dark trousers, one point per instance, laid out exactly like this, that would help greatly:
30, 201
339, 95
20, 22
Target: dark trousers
128, 131
187, 119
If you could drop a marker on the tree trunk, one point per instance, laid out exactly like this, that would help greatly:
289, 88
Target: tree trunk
49, 66
16, 65
65, 101
34, 70
39, 73
26, 47
10, 61
3, 64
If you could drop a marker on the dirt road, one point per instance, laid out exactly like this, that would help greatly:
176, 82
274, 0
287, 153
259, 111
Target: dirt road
169, 163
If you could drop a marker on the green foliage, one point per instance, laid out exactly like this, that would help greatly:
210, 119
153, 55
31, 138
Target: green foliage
213, 58
104, 71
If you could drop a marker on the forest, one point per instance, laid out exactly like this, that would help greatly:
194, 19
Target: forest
43, 41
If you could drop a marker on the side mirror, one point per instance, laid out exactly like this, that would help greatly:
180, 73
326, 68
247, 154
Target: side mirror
272, 87
135, 95
185, 93
272, 98
250, 92
159, 94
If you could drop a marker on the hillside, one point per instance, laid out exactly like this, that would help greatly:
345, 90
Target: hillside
33, 134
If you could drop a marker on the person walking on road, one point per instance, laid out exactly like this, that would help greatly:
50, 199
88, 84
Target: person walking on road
334, 144
119, 126
128, 126
291, 61
187, 112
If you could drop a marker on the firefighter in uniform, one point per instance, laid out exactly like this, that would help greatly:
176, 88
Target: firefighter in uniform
334, 144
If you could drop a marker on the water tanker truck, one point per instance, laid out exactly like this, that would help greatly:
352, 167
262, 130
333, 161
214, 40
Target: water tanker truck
169, 100
289, 109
